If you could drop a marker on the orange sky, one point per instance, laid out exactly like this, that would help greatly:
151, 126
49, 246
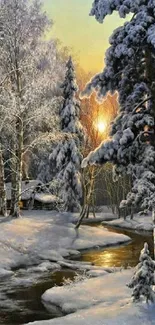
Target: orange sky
76, 29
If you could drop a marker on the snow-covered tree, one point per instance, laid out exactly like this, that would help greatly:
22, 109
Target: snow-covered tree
143, 278
129, 71
66, 157
30, 70
70, 109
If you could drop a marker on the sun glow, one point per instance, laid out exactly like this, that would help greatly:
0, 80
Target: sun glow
101, 126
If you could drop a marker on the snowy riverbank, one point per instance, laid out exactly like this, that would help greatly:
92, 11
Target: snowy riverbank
143, 223
43, 236
104, 213
103, 300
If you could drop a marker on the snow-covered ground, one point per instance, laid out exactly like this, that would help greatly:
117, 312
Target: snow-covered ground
143, 222
99, 217
40, 236
41, 241
105, 300
104, 213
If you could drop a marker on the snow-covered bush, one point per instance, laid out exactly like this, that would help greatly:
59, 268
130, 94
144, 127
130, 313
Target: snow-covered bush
143, 278
79, 277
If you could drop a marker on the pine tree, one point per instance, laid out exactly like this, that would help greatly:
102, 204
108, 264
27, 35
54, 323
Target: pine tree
143, 278
130, 63
66, 157
70, 109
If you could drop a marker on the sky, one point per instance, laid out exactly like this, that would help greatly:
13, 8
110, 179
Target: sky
77, 30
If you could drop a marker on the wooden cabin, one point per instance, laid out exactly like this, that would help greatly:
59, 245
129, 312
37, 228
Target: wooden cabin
35, 195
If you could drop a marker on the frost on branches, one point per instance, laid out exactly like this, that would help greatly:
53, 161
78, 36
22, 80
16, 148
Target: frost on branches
66, 157
30, 70
143, 279
129, 66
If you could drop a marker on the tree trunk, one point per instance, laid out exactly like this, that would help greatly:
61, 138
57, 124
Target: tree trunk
151, 81
18, 144
14, 211
16, 170
88, 198
132, 214
3, 201
153, 220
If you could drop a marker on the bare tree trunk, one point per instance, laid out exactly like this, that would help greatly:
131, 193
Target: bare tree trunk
132, 213
14, 211
3, 201
19, 130
88, 198
16, 170
82, 215
153, 219
18, 145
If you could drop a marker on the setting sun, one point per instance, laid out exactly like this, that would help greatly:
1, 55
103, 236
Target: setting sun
101, 126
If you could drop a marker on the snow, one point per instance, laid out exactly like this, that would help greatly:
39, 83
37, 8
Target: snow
41, 236
94, 237
143, 279
44, 267
139, 222
5, 273
66, 157
96, 273
27, 190
129, 145
46, 198
103, 300
103, 215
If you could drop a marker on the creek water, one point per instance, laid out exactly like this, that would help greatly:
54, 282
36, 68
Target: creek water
122, 255
21, 304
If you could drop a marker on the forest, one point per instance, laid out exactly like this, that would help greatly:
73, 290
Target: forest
77, 168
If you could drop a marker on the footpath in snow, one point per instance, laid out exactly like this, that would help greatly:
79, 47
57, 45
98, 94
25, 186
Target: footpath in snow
105, 300
42, 236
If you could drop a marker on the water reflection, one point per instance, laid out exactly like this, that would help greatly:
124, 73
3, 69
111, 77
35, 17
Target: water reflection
23, 304
124, 255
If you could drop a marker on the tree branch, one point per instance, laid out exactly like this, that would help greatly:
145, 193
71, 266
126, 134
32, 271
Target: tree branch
141, 103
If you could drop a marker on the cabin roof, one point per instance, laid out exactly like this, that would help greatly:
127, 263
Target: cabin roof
28, 188
46, 198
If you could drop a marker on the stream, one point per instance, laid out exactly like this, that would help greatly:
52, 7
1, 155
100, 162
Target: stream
120, 256
20, 304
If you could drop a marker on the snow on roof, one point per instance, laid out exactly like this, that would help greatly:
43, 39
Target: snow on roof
46, 198
28, 188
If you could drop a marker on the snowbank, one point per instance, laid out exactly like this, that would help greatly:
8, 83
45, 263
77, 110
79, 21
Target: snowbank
138, 223
99, 217
101, 301
48, 236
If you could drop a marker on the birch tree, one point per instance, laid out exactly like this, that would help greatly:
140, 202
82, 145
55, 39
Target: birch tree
26, 64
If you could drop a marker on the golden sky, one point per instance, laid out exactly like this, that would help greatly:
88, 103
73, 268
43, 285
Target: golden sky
76, 29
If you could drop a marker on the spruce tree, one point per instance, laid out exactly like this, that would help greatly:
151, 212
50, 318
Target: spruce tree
143, 278
66, 157
129, 71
